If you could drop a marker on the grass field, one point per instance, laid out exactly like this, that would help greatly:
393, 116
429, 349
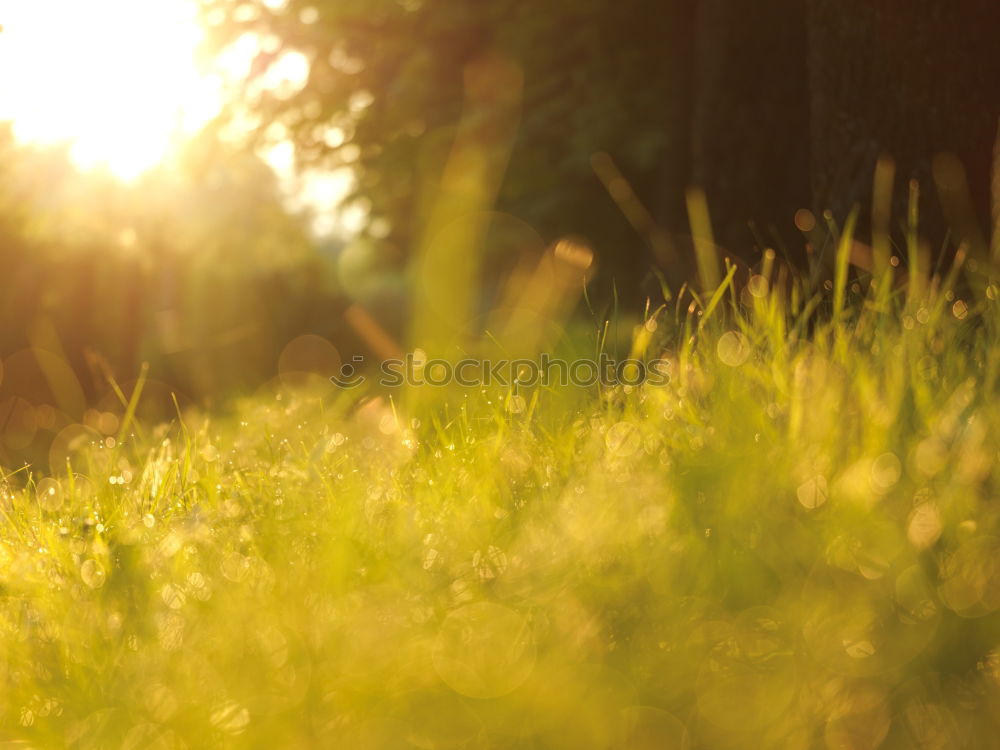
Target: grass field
792, 544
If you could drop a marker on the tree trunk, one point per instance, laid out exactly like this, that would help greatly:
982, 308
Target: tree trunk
910, 80
750, 132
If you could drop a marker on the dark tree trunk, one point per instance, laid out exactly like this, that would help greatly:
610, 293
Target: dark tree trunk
675, 83
910, 80
777, 105
750, 130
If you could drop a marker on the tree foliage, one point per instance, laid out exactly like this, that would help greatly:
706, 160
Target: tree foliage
384, 95
197, 270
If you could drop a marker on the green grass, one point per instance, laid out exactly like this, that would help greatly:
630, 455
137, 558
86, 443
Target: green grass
793, 544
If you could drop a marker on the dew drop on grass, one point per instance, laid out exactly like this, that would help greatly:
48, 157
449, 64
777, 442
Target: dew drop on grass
388, 424
92, 574
169, 545
758, 286
623, 439
210, 453
230, 717
484, 650
733, 348
859, 649
970, 584
924, 526
805, 220
172, 596
886, 470
813, 492
49, 494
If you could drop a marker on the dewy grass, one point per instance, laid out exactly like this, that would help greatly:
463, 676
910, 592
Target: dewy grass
793, 543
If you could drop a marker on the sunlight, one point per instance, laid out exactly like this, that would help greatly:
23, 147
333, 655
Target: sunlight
117, 79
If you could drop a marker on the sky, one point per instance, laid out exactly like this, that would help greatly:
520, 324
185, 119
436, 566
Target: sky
117, 78
119, 81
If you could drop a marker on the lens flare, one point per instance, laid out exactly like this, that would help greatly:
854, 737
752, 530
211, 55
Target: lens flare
117, 80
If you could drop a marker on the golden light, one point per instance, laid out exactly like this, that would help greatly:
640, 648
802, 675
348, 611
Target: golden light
115, 78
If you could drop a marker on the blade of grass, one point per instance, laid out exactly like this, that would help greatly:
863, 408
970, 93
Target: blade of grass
704, 242
718, 295
840, 269
133, 402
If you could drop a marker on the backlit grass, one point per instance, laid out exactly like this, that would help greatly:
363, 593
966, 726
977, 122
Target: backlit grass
793, 544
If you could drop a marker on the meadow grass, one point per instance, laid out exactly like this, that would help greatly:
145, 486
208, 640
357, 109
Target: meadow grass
792, 544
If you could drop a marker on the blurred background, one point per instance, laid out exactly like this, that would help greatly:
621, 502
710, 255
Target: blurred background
223, 190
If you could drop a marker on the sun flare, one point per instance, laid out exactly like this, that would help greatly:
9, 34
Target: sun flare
117, 79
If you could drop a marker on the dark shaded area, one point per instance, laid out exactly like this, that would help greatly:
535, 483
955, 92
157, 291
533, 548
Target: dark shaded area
911, 83
750, 129
769, 107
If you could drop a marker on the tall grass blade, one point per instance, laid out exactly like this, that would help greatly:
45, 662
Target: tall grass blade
704, 241
842, 261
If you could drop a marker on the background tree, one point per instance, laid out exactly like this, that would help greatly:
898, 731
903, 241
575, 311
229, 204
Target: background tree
768, 107
912, 85
384, 95
197, 270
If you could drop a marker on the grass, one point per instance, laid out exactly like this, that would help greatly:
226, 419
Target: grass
793, 544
